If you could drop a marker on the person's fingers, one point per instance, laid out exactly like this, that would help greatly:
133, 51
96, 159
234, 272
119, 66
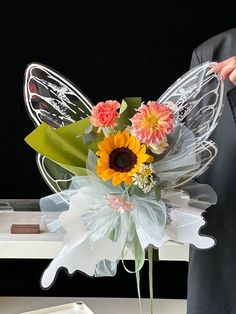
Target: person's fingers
230, 62
211, 71
232, 76
227, 69
216, 67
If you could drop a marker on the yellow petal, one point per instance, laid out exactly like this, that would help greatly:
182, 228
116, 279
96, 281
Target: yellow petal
121, 140
132, 143
150, 158
102, 154
142, 149
116, 180
108, 174
105, 145
136, 148
116, 139
135, 169
103, 162
126, 138
144, 158
110, 140
128, 180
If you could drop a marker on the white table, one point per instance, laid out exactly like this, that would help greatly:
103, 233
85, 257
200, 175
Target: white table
47, 244
17, 305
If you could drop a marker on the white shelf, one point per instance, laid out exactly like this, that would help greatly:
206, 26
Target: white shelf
69, 308
16, 305
48, 245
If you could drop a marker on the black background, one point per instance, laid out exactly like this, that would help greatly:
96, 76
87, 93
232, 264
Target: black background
110, 50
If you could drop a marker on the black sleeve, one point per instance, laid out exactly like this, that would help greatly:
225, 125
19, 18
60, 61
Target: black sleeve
195, 59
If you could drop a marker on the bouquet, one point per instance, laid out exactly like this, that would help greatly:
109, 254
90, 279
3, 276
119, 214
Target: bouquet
122, 172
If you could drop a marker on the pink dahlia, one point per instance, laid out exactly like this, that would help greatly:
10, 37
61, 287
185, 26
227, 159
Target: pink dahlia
105, 114
152, 122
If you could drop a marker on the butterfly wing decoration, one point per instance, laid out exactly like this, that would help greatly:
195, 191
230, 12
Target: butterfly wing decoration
52, 98
198, 102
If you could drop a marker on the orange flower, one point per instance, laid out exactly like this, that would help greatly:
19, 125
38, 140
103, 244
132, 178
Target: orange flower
105, 114
152, 122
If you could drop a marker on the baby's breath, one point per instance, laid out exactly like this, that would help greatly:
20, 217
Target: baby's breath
144, 179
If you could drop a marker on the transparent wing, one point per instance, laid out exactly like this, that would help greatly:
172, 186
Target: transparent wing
198, 102
56, 177
52, 98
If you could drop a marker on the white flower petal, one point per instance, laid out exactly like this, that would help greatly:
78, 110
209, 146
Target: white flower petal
83, 258
185, 226
149, 219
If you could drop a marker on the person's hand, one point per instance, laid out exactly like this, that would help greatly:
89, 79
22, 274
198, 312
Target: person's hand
226, 68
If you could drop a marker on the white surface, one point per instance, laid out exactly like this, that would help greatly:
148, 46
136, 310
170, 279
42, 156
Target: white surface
68, 308
43, 245
48, 245
17, 305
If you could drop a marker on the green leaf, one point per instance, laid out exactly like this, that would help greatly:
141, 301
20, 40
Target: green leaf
88, 129
164, 184
123, 106
158, 192
78, 171
139, 253
132, 104
89, 137
137, 191
63, 145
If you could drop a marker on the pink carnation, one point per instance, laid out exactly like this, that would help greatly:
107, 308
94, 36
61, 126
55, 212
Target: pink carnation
105, 114
152, 122
119, 204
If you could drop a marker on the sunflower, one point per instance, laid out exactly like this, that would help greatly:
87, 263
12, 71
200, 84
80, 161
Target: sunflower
120, 156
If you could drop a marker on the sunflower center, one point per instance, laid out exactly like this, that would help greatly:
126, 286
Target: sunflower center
152, 121
122, 159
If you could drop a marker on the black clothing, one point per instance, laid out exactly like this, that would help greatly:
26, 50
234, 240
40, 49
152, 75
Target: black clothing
212, 273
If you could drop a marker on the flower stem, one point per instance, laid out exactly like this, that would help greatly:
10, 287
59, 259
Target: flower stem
105, 131
125, 190
137, 273
150, 264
